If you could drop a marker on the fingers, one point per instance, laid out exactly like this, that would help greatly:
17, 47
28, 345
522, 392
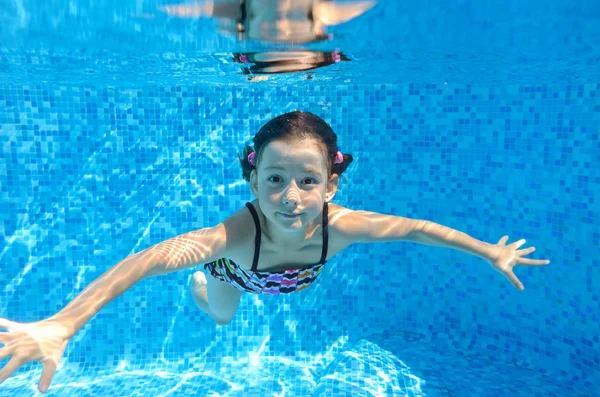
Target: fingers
526, 251
519, 243
514, 280
532, 262
516, 244
47, 375
9, 368
4, 323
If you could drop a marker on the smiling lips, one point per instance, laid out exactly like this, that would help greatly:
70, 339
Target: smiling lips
290, 215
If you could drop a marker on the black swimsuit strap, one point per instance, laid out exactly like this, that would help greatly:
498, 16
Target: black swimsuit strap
257, 237
325, 234
259, 233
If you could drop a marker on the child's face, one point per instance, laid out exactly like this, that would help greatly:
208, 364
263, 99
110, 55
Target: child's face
291, 183
281, 20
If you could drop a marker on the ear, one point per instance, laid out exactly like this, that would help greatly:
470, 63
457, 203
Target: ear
254, 183
332, 186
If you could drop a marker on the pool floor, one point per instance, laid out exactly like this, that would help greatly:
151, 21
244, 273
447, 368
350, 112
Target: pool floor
417, 368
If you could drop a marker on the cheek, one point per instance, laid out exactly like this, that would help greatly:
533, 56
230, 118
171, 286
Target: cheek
314, 201
270, 195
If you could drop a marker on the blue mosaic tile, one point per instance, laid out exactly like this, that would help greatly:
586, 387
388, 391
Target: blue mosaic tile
91, 174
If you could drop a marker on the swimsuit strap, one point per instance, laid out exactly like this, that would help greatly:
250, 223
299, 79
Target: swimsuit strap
325, 234
257, 237
241, 22
259, 233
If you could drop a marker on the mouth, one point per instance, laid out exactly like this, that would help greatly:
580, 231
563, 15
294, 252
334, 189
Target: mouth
291, 216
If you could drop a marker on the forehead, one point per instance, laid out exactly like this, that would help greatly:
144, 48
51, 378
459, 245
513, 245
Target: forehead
305, 151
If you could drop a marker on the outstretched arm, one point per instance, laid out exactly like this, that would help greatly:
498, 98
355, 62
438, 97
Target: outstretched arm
367, 226
500, 256
430, 233
45, 340
178, 253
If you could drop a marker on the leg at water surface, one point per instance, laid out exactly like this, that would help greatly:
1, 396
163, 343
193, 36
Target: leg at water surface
216, 298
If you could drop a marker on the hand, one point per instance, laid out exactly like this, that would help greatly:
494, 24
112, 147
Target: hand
42, 341
504, 257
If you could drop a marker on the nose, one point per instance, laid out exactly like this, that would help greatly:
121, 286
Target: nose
291, 196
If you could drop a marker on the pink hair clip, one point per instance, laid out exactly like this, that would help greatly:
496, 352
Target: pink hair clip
252, 158
336, 56
339, 158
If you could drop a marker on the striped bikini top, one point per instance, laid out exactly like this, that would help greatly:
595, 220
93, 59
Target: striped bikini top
266, 282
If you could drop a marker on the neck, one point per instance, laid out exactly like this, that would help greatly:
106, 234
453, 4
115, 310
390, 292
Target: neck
291, 238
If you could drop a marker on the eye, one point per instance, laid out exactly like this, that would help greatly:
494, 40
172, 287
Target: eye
310, 181
274, 179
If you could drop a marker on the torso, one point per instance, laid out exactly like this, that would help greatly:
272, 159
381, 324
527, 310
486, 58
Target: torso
274, 258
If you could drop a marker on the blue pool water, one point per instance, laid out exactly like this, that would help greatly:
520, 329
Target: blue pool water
119, 128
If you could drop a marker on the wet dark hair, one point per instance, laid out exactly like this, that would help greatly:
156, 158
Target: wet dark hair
303, 61
292, 126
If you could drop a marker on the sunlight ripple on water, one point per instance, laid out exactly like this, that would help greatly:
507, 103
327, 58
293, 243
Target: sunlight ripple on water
360, 369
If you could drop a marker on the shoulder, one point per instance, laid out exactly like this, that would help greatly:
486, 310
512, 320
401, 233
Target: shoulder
345, 225
239, 228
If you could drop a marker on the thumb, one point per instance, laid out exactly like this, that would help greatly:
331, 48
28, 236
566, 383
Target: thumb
514, 280
49, 368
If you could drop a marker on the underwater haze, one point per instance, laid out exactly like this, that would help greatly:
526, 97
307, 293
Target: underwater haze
120, 127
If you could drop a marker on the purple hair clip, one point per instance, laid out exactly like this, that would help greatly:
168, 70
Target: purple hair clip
339, 158
252, 158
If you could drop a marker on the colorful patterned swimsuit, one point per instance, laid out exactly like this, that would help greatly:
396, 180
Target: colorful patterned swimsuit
268, 283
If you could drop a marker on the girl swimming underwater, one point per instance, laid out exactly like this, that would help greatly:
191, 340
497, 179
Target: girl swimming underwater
276, 244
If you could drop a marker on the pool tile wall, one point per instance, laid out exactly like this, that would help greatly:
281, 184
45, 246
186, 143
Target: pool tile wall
89, 175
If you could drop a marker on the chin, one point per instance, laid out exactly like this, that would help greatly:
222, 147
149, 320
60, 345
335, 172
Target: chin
295, 225
289, 224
